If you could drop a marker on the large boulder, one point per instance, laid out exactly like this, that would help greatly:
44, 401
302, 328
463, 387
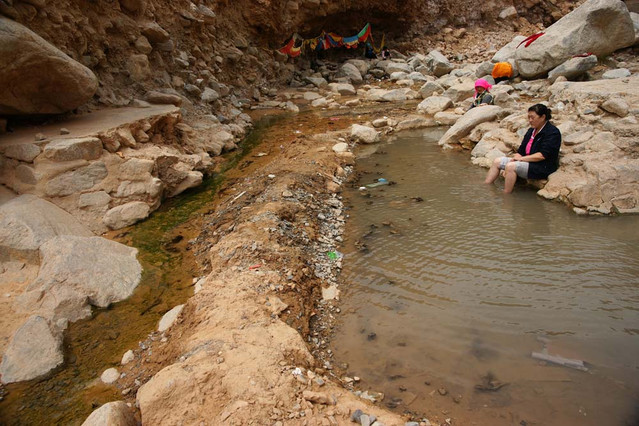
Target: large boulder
381, 95
507, 53
342, 88
429, 89
460, 91
351, 72
392, 67
438, 64
364, 134
35, 349
126, 214
467, 123
36, 77
597, 26
78, 271
434, 104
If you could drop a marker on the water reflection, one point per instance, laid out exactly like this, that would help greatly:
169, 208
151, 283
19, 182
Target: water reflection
460, 288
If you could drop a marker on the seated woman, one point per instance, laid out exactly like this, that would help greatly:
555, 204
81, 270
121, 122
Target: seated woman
538, 154
385, 53
482, 94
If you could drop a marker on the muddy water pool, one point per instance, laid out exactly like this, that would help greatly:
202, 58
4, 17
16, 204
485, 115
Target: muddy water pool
449, 286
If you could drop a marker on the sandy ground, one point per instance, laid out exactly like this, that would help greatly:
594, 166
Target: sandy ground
239, 352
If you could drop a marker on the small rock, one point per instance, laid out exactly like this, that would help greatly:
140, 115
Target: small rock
318, 397
356, 415
109, 376
127, 357
40, 137
442, 391
64, 131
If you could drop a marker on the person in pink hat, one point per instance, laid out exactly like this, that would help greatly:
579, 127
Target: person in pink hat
482, 94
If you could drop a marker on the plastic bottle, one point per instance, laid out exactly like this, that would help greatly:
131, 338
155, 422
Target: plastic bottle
380, 182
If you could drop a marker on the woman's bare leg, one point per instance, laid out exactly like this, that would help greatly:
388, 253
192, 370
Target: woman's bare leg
510, 176
493, 172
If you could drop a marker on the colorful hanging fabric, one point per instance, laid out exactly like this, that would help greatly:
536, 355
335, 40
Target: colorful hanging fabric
290, 49
286, 49
334, 40
381, 45
365, 33
351, 42
327, 41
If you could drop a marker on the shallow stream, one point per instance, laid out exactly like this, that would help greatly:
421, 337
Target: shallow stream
69, 394
449, 286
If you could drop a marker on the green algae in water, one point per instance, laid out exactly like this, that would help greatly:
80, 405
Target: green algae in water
69, 394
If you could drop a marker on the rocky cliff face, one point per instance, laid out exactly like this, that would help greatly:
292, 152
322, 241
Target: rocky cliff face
134, 46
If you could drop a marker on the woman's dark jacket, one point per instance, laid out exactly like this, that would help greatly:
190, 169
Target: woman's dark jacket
548, 142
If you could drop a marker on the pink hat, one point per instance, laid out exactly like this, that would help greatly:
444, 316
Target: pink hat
483, 83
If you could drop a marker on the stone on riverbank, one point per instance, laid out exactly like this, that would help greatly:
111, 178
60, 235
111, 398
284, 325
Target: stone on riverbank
35, 349
434, 104
364, 134
126, 214
169, 318
468, 122
115, 413
110, 375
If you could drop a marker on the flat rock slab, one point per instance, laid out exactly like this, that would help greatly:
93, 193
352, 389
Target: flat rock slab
626, 88
34, 350
87, 125
78, 271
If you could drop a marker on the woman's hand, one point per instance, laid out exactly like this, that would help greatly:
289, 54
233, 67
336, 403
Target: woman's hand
516, 157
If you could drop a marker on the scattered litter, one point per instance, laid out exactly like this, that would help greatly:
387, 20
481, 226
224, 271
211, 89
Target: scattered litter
489, 383
237, 196
362, 188
334, 255
271, 176
378, 182
259, 265
334, 118
577, 364
261, 154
